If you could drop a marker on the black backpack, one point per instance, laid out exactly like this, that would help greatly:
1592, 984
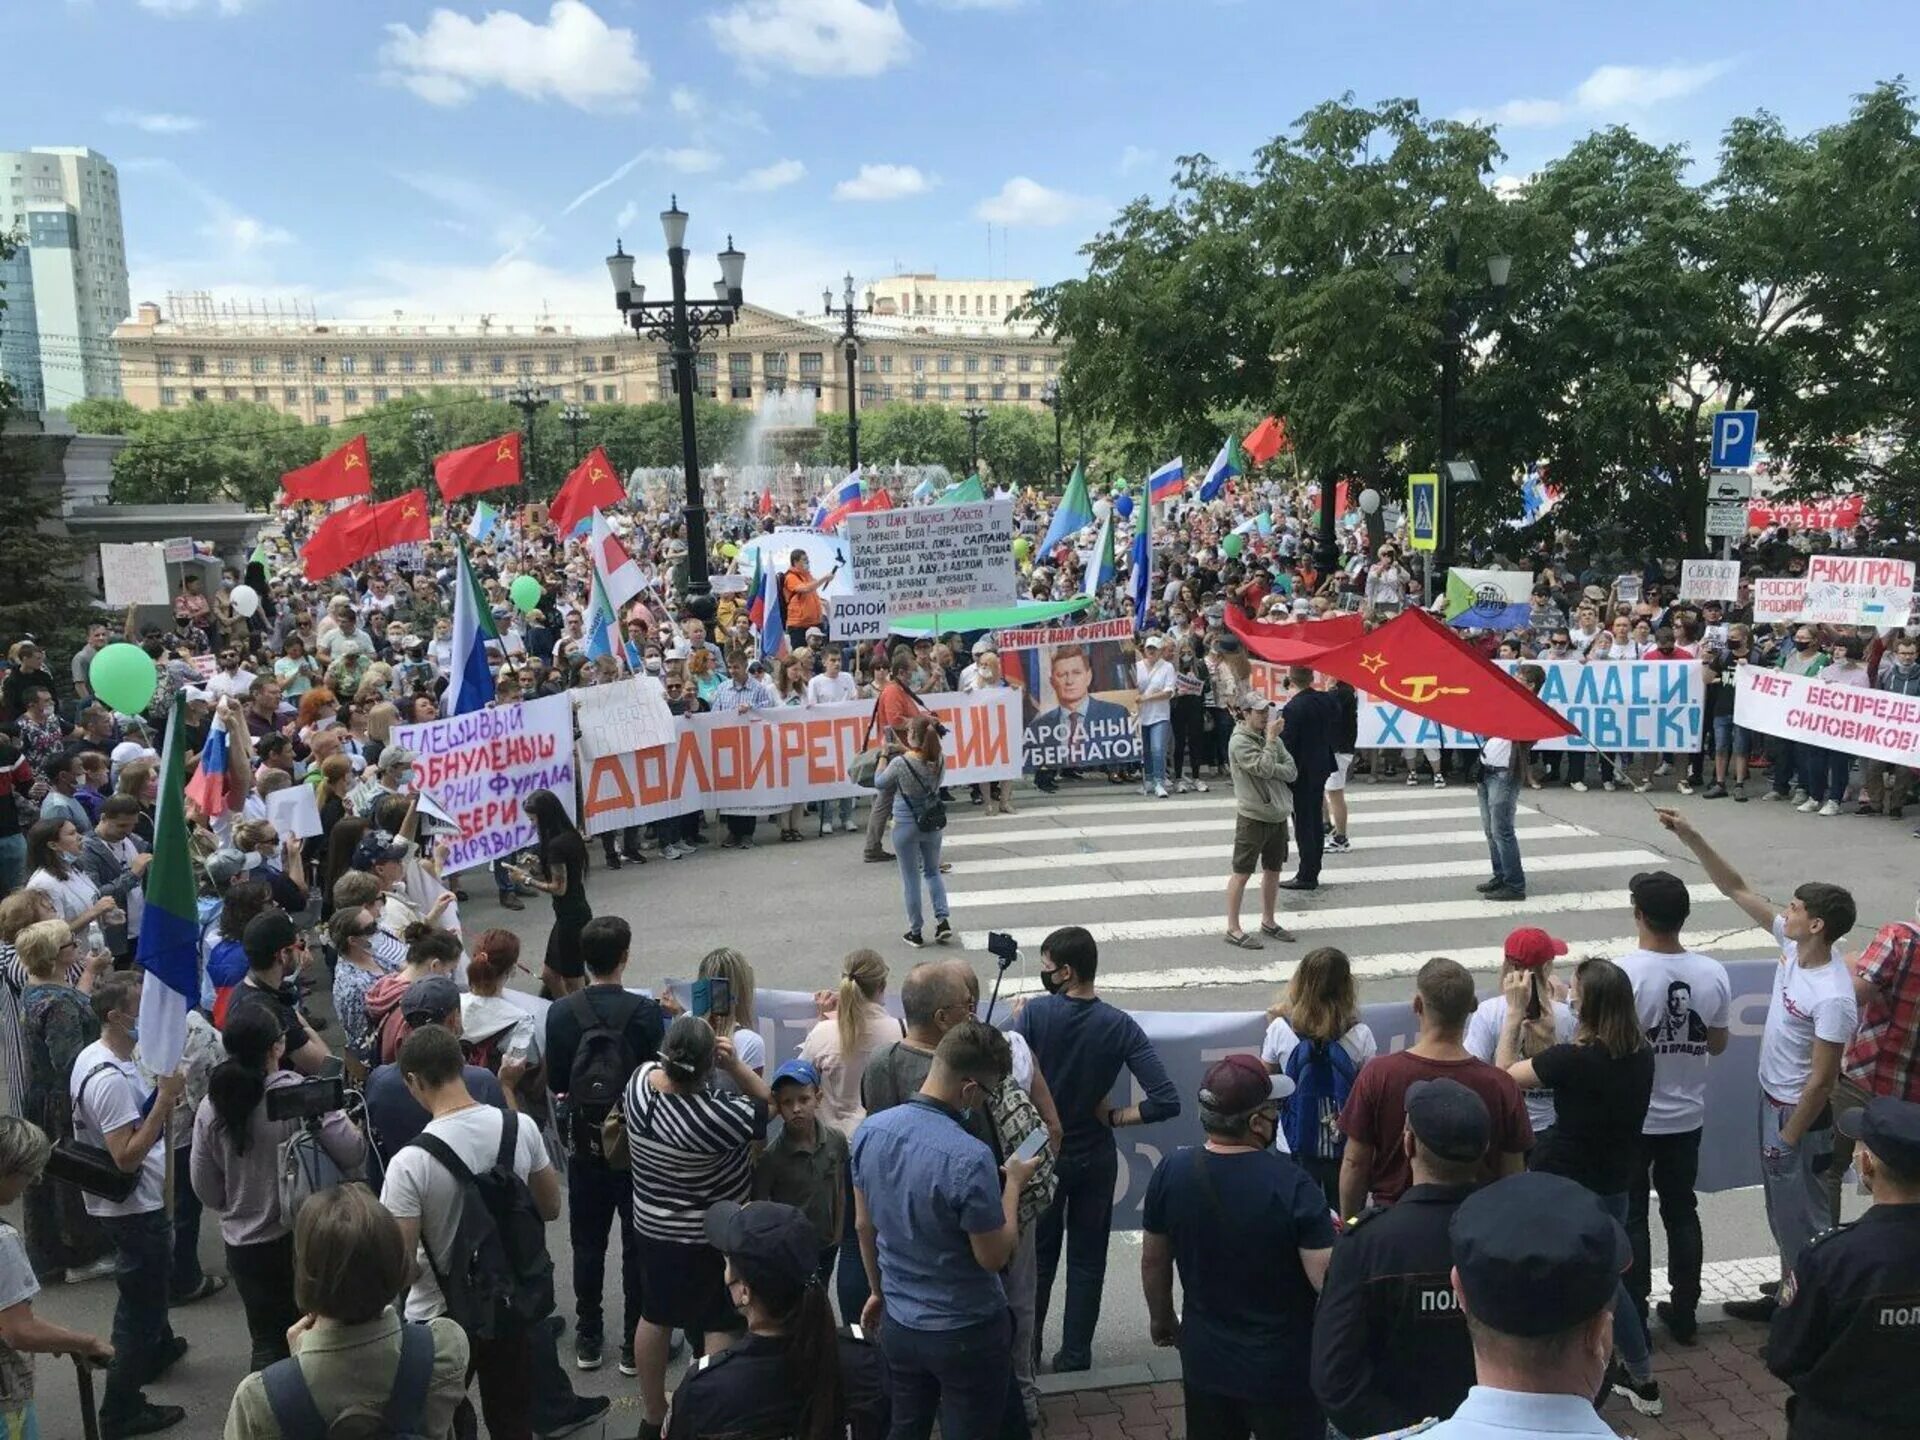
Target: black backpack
403, 1417
602, 1065
501, 1279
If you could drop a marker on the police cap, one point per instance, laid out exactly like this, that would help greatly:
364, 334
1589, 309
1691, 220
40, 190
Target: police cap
1888, 1127
773, 1247
1536, 1254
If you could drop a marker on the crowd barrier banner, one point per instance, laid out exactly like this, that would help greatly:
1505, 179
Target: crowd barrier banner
1077, 681
1620, 707
1188, 1041
771, 759
1875, 723
476, 770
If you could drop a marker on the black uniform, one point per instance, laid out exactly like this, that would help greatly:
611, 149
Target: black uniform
1846, 1335
743, 1391
1390, 1345
1313, 718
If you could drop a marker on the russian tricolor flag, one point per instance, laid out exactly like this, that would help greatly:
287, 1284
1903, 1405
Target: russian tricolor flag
1169, 482
208, 788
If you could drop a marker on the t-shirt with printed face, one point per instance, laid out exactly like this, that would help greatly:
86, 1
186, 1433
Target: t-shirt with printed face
1680, 997
1806, 1005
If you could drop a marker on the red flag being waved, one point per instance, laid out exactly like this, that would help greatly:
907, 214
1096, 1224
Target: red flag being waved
1298, 642
1416, 662
766, 501
593, 485
349, 536
338, 476
1265, 440
486, 466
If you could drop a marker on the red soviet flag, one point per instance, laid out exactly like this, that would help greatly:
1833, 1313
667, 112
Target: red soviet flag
1265, 440
338, 476
337, 542
400, 521
593, 485
486, 466
1296, 642
1416, 662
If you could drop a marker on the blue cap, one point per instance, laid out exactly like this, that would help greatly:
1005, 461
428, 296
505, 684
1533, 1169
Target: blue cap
800, 1072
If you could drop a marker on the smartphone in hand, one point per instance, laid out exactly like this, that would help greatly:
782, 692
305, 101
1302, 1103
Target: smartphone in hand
1032, 1145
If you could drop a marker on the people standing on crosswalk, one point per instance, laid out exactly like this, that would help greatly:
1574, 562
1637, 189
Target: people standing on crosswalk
1526, 969
1346, 738
1192, 683
1316, 1037
1153, 678
1313, 720
1503, 768
1810, 1019
1263, 769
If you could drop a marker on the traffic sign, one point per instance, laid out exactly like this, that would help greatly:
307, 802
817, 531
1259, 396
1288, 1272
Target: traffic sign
1734, 432
1726, 519
1729, 485
1423, 512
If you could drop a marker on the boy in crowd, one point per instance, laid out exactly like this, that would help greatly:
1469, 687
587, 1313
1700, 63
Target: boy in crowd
805, 1165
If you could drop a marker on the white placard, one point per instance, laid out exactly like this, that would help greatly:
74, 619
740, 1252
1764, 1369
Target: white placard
935, 557
1710, 579
1878, 724
178, 552
1726, 519
1778, 600
295, 811
861, 615
1626, 589
478, 768
135, 575
1858, 590
619, 719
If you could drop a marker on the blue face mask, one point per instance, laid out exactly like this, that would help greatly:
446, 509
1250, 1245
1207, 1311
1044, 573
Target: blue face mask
133, 1032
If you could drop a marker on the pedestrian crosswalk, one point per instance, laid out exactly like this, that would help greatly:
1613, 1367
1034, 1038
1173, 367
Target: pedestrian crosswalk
1147, 878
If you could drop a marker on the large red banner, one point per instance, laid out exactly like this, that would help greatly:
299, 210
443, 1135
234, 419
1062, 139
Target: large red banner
1836, 512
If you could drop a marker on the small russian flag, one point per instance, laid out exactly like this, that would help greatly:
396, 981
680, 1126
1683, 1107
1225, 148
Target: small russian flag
208, 788
1169, 482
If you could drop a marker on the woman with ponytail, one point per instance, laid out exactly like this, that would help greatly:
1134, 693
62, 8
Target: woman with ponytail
793, 1374
1527, 997
235, 1172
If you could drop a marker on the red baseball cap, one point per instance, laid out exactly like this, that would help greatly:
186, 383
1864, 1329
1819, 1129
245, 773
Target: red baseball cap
1532, 948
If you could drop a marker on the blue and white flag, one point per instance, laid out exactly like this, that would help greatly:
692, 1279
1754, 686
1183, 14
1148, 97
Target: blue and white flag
1140, 582
485, 521
470, 681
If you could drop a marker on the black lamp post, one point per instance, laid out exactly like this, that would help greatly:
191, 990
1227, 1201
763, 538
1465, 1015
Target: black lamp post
426, 434
975, 418
851, 343
574, 417
1055, 400
681, 327
530, 400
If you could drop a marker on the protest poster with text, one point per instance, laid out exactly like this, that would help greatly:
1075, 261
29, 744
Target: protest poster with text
928, 558
1078, 693
770, 759
1621, 706
478, 769
619, 719
1877, 724
1858, 590
1835, 512
1778, 601
135, 575
1710, 580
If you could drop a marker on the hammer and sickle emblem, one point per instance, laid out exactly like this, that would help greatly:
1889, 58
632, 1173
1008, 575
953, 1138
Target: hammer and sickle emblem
352, 462
1420, 689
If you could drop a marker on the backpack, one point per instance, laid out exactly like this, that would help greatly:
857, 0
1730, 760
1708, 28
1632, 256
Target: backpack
1322, 1072
601, 1068
302, 1169
929, 810
403, 1417
501, 1279
1015, 1117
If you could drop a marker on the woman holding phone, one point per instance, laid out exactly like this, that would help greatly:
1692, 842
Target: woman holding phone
563, 865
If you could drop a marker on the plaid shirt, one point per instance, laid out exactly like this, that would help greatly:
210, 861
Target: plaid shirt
1884, 1058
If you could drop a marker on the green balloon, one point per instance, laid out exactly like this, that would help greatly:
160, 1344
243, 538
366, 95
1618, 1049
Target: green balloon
1233, 545
124, 677
1021, 546
525, 593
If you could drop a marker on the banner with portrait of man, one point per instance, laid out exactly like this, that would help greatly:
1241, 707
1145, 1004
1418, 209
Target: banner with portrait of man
1078, 694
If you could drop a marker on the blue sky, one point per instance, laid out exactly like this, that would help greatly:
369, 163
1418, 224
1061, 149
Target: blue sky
481, 155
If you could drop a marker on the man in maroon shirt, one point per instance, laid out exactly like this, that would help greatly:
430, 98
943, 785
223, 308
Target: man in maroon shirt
1375, 1115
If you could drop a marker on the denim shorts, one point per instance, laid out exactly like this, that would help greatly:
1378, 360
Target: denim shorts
1728, 738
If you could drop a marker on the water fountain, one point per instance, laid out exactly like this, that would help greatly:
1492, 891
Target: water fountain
772, 453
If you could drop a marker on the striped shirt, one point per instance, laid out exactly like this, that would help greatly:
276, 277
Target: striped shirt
688, 1151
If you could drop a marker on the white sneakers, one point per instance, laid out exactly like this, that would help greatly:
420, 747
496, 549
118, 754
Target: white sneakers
1160, 792
1830, 808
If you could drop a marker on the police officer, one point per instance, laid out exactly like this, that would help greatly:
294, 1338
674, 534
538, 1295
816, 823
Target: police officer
1390, 1345
1536, 1261
792, 1375
1846, 1334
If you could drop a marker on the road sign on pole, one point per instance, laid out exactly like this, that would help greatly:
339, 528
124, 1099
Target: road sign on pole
1734, 432
1729, 485
1726, 519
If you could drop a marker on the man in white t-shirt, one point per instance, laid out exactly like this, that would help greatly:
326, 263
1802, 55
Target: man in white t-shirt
110, 1110
1685, 1000
833, 686
1811, 1017
1153, 678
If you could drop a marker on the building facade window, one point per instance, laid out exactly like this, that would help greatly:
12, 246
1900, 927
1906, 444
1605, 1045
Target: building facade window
199, 395
606, 364
380, 394
866, 365
165, 365
740, 375
946, 391
496, 364
919, 364
1024, 364
319, 394
169, 396
553, 364
351, 363
610, 392
349, 395
919, 389
886, 392
289, 365
997, 363
973, 364
886, 364
319, 366
466, 364
999, 392
258, 365
1026, 391
259, 394
406, 364
196, 365
290, 397
586, 393
973, 392
773, 370
586, 364
993, 304
869, 394
524, 364
706, 373
436, 364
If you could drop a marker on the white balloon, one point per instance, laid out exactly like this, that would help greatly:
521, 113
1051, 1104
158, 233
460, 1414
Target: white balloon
245, 600
1370, 500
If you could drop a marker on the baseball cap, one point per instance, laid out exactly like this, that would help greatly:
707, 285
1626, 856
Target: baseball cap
1532, 948
1154, 642
430, 1000
1254, 703
800, 1072
1536, 1254
982, 646
223, 865
396, 757
128, 751
1888, 1127
378, 847
813, 630
773, 1247
266, 935
1449, 1119
1237, 1084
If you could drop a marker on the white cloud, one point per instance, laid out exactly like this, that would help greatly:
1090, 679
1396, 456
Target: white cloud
155, 122
176, 9
883, 182
776, 176
814, 37
575, 57
629, 213
1609, 92
1136, 157
1026, 202
975, 4
689, 159
685, 101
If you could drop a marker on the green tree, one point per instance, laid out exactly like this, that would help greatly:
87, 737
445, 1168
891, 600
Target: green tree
914, 435
210, 452
105, 417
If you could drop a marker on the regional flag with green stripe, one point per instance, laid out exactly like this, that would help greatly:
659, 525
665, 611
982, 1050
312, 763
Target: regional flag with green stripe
169, 948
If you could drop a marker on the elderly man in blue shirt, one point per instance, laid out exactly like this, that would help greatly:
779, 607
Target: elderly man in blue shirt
937, 1225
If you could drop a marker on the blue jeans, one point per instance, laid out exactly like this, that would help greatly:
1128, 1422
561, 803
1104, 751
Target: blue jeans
1153, 749
851, 1282
1499, 793
13, 858
837, 812
918, 852
964, 1378
143, 1245
1081, 1215
1823, 773
1629, 1330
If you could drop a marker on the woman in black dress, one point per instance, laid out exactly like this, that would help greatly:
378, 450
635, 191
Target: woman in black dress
563, 866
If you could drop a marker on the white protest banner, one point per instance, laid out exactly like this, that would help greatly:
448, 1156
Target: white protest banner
856, 616
177, 552
1710, 579
1079, 695
1878, 724
135, 575
1858, 590
1626, 589
478, 768
1778, 601
295, 811
826, 553
1634, 706
770, 759
627, 716
935, 557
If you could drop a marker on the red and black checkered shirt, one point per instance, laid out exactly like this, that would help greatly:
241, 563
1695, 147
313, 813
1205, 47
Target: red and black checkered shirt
1884, 1058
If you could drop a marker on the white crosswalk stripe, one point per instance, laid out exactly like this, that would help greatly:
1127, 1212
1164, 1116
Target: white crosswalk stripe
1220, 823
1168, 854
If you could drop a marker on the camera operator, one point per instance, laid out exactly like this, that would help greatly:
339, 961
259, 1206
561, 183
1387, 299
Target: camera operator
236, 1172
274, 952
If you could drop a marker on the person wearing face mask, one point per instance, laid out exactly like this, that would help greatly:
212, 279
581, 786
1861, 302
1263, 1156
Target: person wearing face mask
353, 931
1801, 655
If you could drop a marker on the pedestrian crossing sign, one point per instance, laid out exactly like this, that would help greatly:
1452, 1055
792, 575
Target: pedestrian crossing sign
1423, 512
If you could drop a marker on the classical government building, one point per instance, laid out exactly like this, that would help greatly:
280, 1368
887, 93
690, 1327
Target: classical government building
928, 340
